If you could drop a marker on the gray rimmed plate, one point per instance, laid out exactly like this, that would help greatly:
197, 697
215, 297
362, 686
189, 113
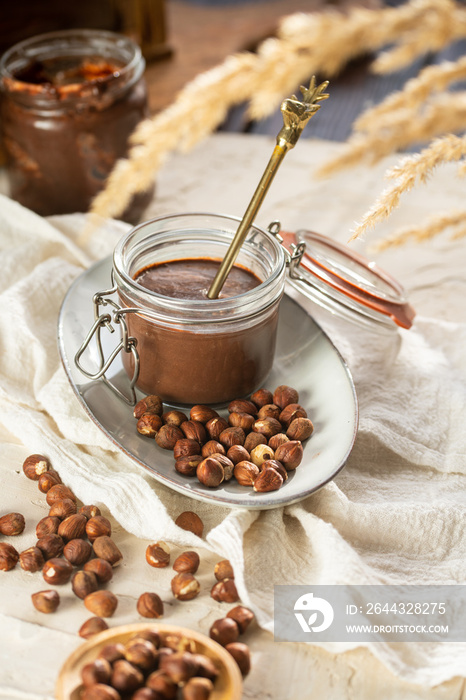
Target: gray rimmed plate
305, 359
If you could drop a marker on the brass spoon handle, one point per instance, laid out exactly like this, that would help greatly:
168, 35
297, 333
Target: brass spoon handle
296, 115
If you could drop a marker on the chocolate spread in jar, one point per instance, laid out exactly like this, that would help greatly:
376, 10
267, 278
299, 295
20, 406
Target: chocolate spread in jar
214, 364
66, 120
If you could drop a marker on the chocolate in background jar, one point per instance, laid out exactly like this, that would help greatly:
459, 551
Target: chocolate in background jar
70, 101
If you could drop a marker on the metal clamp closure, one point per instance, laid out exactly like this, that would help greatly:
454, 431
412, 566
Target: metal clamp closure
127, 343
294, 256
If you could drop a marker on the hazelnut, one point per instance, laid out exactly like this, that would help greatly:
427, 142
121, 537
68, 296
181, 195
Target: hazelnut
149, 424
284, 395
278, 466
90, 511
210, 472
197, 689
9, 557
179, 667
47, 526
112, 652
31, 559
105, 548
186, 447
225, 591
205, 667
58, 493
35, 465
261, 454
267, 427
185, 586
163, 685
223, 569
98, 671
63, 509
237, 453
47, 480
242, 616
277, 440
290, 454
262, 397
224, 631
101, 603
83, 583
168, 436
246, 472
12, 524
126, 678
151, 635
290, 412
268, 480
242, 406
102, 569
142, 653
203, 414
254, 439
146, 694
232, 436
100, 691
241, 420
150, 605
91, 627
190, 521
98, 526
215, 426
270, 410
212, 447
174, 418
300, 429
51, 546
178, 642
194, 430
46, 601
240, 653
57, 571
73, 527
226, 463
158, 555
187, 562
149, 404
188, 465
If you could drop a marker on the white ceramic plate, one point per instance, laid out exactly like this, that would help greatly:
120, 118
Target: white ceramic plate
305, 359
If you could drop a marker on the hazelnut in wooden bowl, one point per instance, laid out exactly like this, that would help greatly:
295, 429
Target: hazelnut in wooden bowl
226, 679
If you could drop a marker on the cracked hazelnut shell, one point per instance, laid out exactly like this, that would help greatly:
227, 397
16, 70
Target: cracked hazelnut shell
158, 555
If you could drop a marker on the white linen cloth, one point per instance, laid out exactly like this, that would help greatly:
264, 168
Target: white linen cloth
395, 514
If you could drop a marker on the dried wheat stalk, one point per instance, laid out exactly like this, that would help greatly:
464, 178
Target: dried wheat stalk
407, 173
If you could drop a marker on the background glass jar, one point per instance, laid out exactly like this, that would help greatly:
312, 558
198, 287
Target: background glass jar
199, 350
70, 100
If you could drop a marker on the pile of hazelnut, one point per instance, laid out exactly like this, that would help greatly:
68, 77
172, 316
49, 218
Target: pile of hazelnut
258, 445
73, 544
151, 665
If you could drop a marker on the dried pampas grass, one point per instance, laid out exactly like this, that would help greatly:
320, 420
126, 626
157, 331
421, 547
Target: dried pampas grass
424, 232
412, 170
306, 44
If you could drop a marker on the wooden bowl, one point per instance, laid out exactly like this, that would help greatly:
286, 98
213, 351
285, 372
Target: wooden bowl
228, 685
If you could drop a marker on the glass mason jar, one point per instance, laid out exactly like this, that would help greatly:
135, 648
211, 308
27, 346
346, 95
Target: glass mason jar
206, 351
70, 100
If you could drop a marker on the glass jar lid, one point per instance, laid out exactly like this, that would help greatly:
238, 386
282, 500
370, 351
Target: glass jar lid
345, 282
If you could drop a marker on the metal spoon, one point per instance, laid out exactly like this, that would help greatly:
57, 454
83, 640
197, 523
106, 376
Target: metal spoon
296, 115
